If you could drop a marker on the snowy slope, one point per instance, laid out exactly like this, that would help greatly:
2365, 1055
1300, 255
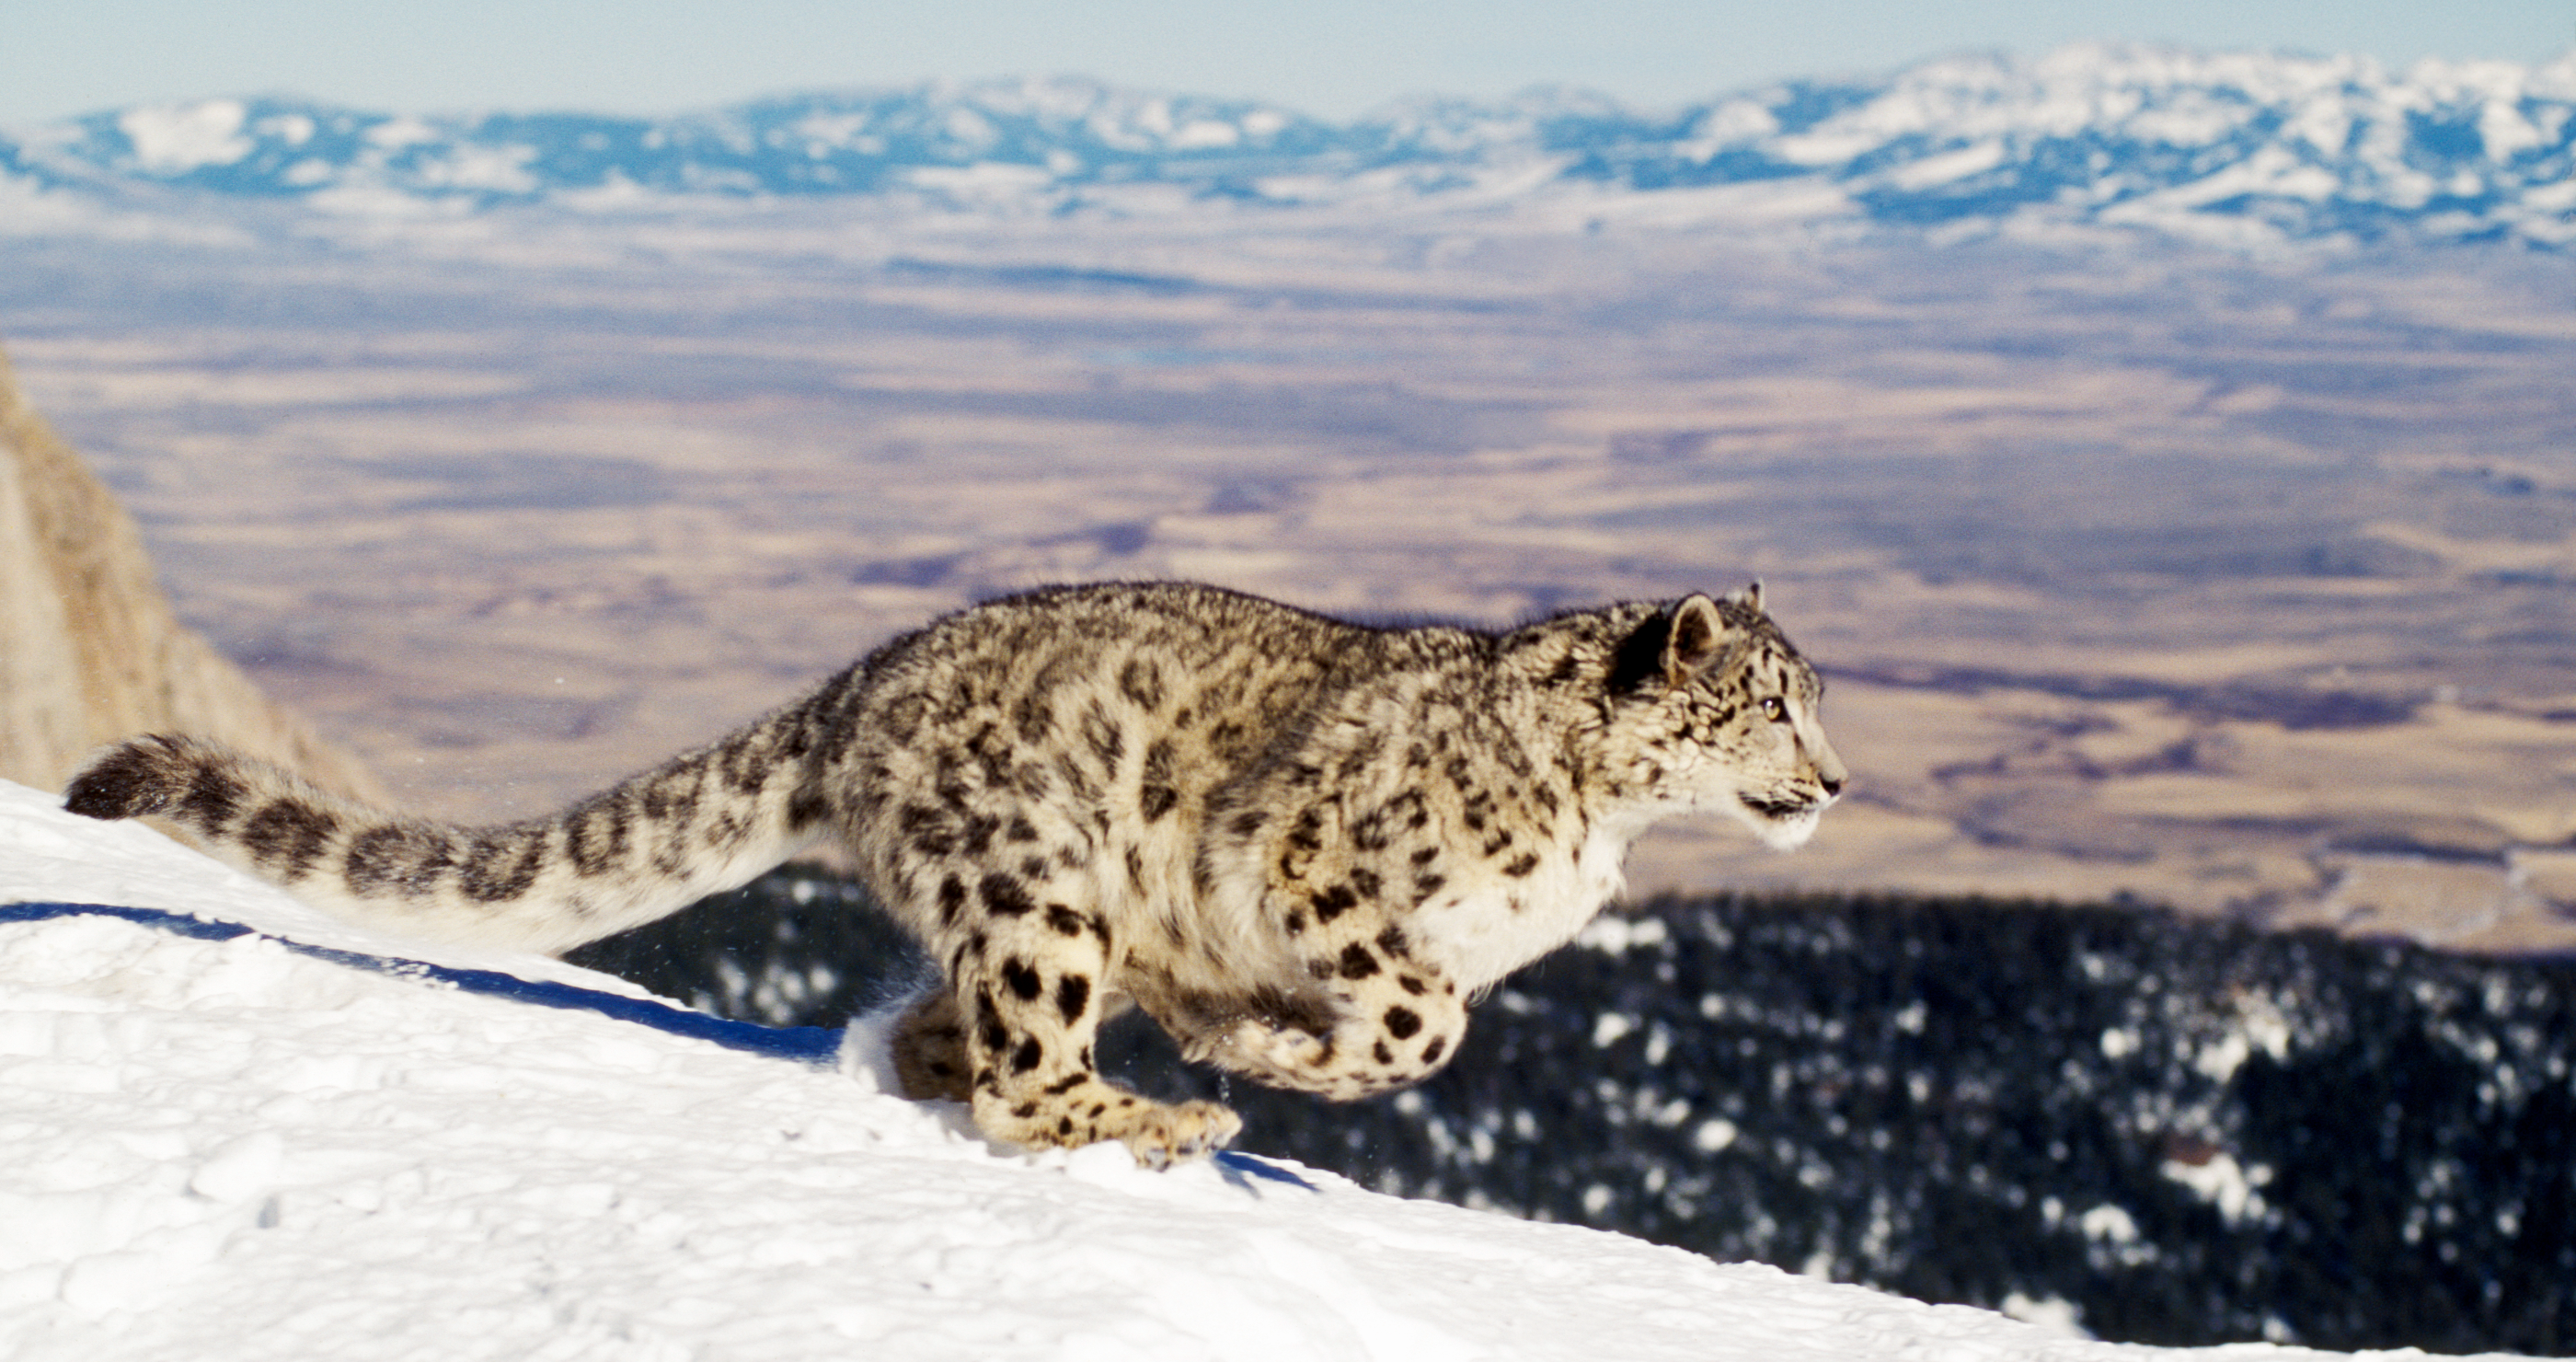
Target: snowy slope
2225, 146
232, 1149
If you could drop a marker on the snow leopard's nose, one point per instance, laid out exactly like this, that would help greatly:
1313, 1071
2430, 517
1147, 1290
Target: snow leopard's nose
1824, 764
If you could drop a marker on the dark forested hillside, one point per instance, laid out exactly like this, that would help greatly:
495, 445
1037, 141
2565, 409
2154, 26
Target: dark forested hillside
2187, 1132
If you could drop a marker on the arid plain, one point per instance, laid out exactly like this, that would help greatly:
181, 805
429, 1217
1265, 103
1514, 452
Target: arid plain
2243, 585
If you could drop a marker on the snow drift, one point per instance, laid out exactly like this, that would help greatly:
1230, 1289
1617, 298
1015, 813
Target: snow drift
287, 1143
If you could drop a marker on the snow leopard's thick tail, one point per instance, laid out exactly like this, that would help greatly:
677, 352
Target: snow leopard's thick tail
703, 822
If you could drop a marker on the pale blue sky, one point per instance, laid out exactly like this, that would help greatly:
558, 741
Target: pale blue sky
1329, 57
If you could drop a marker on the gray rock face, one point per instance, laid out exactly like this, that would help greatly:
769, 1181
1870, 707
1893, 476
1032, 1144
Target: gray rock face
90, 650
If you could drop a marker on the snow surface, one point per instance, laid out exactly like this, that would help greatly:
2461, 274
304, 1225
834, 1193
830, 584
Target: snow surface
289, 1144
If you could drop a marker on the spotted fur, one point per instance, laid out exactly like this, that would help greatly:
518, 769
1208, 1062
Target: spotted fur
1299, 844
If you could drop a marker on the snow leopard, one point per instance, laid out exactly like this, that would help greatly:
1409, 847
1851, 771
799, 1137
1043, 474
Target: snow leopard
1300, 844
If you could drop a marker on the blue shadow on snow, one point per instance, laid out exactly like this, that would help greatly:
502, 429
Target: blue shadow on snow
804, 1044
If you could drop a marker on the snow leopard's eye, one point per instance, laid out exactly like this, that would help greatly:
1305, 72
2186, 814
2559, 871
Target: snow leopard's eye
1774, 710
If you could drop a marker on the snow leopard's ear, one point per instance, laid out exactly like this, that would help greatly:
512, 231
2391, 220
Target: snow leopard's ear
1750, 597
1671, 646
1696, 638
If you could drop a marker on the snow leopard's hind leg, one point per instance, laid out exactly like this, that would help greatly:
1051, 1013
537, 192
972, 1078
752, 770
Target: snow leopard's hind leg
1027, 963
928, 1044
929, 1048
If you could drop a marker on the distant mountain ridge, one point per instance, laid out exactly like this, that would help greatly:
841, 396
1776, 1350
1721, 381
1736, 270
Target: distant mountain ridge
2226, 146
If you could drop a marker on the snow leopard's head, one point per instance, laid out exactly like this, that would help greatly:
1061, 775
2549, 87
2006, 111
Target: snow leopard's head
1720, 713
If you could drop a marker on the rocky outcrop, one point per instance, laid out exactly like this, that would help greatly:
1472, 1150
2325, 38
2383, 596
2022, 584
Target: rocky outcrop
90, 650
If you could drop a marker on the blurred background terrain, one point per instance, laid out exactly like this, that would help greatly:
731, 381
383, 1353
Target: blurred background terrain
2241, 585
2168, 457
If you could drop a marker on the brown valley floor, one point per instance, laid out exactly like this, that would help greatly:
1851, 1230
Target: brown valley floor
2246, 586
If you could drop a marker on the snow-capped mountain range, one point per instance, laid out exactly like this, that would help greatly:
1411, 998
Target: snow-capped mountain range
2240, 147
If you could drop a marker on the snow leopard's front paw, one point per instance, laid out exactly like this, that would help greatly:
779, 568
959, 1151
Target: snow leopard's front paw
1386, 1038
1289, 1057
1280, 1054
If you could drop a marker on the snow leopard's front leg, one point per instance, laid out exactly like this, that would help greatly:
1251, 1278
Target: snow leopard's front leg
1393, 1022
1027, 979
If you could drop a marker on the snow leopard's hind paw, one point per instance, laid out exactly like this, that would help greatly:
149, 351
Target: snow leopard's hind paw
1091, 1110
